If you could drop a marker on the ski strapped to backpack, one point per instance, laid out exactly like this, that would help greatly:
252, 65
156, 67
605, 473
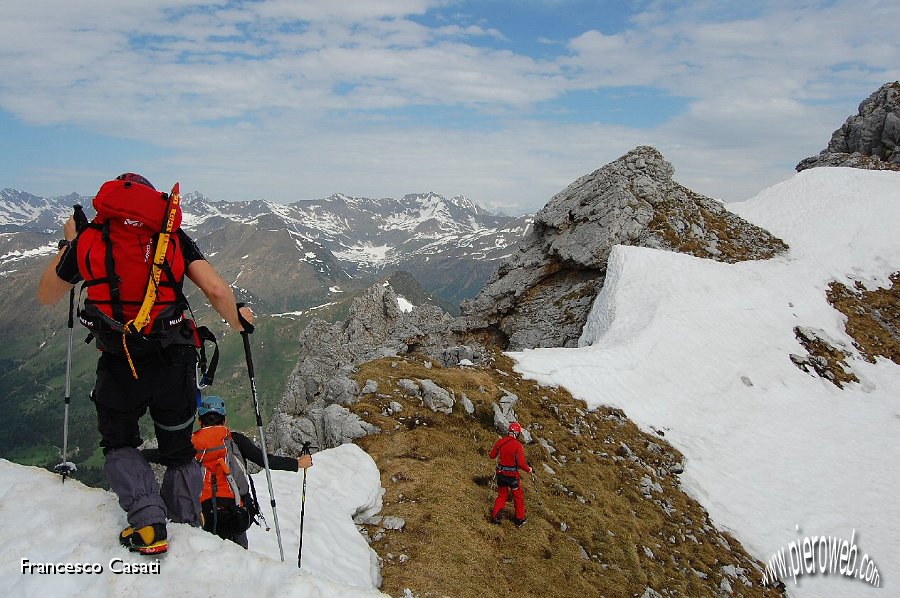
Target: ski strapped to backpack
130, 257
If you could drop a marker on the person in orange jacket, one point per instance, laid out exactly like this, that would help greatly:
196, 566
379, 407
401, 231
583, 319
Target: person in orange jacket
511, 460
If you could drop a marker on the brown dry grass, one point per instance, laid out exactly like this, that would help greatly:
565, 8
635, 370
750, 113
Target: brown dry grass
873, 317
828, 361
588, 525
734, 235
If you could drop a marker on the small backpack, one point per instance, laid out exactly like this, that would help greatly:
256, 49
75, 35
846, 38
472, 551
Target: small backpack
134, 270
227, 488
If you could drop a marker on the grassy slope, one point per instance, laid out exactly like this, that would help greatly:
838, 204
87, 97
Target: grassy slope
590, 530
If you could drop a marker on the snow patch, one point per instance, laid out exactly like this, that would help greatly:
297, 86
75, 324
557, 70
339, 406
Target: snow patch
404, 305
72, 523
365, 253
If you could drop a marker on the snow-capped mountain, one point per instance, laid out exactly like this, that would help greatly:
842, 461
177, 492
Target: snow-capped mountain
294, 256
23, 211
366, 234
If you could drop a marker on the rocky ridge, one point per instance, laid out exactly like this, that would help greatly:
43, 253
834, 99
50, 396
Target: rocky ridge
541, 295
869, 139
314, 405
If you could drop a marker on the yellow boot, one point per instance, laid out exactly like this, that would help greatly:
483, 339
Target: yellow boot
150, 539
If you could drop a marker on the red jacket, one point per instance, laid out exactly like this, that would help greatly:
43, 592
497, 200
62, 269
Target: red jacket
512, 456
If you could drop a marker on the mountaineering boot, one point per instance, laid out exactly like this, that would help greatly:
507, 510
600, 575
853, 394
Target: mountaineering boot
150, 539
495, 519
520, 522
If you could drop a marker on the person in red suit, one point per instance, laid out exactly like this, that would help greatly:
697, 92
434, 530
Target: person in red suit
511, 460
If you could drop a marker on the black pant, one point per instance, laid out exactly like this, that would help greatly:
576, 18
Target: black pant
166, 385
226, 520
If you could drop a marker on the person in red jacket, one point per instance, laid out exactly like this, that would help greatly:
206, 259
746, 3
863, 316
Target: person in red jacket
511, 460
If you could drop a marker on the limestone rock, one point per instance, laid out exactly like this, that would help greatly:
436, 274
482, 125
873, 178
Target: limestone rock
461, 355
542, 294
330, 353
435, 397
869, 139
325, 426
409, 387
393, 522
341, 389
289, 433
341, 426
504, 413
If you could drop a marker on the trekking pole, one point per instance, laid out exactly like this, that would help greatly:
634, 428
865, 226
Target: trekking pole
304, 451
537, 493
245, 334
65, 468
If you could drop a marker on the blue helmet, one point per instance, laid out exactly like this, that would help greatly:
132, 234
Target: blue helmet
211, 405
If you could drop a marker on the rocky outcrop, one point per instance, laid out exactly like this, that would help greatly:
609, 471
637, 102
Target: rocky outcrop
320, 387
869, 139
541, 295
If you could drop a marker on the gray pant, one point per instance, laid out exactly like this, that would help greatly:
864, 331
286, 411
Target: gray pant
167, 388
132, 479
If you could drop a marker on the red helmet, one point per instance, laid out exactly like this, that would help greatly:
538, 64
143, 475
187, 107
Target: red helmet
515, 428
135, 178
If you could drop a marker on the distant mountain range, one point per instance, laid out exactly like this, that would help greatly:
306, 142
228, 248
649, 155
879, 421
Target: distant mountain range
296, 256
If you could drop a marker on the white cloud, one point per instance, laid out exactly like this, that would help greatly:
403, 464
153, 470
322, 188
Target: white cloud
287, 99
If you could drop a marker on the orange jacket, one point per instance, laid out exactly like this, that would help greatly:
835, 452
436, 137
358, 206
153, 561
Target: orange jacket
512, 456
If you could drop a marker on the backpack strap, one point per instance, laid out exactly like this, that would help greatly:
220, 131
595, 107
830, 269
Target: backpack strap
506, 468
254, 506
206, 373
215, 507
115, 296
172, 282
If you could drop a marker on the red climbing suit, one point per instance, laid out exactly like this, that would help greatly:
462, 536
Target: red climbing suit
512, 459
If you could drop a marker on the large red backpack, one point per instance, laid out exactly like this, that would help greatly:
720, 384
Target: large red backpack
116, 253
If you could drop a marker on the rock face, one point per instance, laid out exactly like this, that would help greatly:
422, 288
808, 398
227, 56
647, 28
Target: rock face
313, 407
541, 295
869, 139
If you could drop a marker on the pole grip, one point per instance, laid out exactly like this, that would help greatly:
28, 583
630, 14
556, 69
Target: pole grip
249, 357
71, 320
247, 326
81, 221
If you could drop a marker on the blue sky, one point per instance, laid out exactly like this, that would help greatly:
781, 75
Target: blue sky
506, 102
